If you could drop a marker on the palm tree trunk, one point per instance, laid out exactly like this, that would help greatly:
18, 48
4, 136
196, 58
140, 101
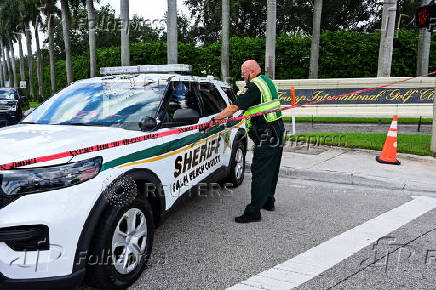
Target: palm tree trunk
51, 53
423, 48
2, 76
91, 23
38, 64
172, 32
14, 70
30, 60
270, 53
387, 38
20, 49
3, 64
225, 40
314, 51
67, 39
8, 64
124, 17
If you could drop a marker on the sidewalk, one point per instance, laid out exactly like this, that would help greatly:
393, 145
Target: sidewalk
357, 166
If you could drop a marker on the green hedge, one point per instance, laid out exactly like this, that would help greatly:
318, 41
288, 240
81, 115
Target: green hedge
342, 54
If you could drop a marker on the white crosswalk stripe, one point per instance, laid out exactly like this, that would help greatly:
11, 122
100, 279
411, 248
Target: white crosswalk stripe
313, 262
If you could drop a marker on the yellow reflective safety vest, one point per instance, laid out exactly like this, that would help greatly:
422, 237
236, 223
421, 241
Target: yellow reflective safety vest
270, 101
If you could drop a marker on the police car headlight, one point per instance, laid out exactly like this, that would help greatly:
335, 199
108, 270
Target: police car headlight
27, 181
13, 108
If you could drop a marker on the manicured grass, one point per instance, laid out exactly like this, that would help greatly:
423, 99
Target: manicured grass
33, 104
407, 143
357, 120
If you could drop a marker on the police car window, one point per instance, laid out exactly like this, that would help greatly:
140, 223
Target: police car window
230, 93
112, 104
211, 98
181, 96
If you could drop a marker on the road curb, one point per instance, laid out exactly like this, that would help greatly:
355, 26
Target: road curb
351, 179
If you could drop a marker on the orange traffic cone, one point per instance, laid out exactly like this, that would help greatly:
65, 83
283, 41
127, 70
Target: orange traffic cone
389, 152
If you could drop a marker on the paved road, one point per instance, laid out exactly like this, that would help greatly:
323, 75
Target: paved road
306, 127
200, 247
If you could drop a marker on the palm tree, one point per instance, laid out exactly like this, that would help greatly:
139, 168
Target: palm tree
36, 21
314, 51
2, 73
5, 75
172, 32
65, 9
5, 58
387, 38
20, 50
2, 65
124, 17
50, 10
225, 40
14, 70
8, 63
26, 7
12, 24
91, 23
270, 52
8, 23
30, 59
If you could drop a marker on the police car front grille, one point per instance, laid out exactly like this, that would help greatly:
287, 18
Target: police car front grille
4, 108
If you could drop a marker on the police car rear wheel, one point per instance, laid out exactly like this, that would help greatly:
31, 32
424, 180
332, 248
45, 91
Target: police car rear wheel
122, 246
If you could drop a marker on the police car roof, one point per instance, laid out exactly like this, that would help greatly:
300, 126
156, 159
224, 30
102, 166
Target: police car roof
147, 77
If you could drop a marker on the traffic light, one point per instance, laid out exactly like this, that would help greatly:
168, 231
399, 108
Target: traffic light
425, 16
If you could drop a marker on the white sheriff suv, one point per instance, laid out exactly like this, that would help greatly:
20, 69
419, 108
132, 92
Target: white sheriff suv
92, 215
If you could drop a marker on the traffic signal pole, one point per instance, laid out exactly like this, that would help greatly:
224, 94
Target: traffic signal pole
425, 17
433, 129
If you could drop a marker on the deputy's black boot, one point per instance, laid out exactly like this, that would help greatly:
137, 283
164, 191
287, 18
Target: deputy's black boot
248, 218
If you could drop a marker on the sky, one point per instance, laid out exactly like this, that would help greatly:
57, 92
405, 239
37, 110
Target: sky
149, 9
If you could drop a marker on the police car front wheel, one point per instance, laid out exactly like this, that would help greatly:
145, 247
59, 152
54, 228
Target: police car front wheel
122, 246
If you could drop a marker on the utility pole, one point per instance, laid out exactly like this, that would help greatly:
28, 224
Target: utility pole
124, 17
270, 52
225, 18
433, 128
423, 48
387, 38
172, 32
314, 51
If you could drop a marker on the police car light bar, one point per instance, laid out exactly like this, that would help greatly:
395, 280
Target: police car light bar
169, 68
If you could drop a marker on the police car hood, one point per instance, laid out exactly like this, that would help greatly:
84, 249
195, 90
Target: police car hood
25, 141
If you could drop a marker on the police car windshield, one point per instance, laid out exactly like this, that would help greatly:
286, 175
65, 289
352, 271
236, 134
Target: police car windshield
113, 104
7, 95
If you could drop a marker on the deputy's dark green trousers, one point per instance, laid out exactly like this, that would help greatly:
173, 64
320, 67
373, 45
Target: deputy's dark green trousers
265, 168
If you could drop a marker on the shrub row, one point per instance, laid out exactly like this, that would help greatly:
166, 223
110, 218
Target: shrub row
342, 54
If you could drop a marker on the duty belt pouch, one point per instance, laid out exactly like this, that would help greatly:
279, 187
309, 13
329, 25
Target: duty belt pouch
264, 136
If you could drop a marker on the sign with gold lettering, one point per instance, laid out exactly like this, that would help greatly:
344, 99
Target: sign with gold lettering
376, 96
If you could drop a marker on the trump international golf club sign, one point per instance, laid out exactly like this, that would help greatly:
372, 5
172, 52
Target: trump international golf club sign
376, 96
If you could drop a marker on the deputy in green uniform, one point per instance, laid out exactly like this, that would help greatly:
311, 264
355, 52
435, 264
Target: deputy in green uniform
266, 131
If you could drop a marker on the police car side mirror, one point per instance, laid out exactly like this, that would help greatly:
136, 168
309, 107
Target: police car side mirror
186, 115
147, 124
